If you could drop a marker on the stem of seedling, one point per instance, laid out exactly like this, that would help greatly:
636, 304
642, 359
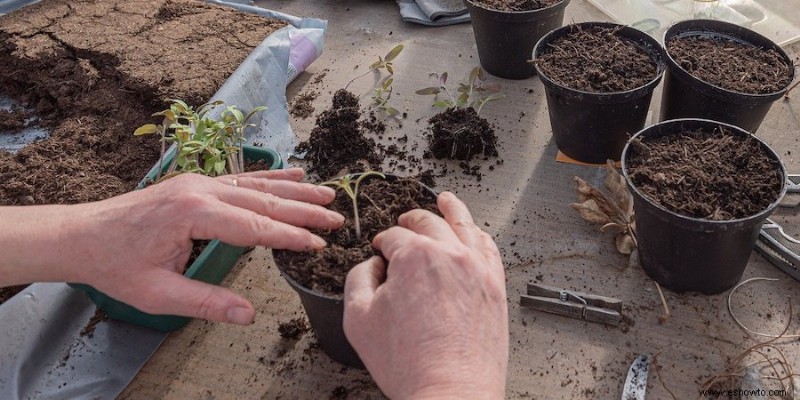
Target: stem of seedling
351, 190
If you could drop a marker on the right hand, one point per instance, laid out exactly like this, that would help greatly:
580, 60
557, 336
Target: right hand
438, 325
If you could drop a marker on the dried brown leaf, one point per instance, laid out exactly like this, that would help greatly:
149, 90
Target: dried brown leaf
614, 227
590, 211
589, 192
625, 244
616, 185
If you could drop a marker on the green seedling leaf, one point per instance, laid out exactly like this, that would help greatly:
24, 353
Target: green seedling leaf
394, 52
443, 103
389, 68
462, 100
428, 90
474, 75
442, 79
147, 129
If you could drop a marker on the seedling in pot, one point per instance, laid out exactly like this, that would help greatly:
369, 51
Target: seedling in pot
350, 187
471, 94
205, 145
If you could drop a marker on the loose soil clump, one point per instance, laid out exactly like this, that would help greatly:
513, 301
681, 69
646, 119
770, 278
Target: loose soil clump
381, 202
13, 120
93, 71
337, 142
461, 134
302, 107
293, 329
713, 175
731, 65
597, 60
516, 5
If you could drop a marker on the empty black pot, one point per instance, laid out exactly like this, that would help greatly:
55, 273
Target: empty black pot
593, 127
686, 96
505, 39
691, 254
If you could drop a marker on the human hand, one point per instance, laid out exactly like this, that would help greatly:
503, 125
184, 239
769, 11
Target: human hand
438, 325
139, 243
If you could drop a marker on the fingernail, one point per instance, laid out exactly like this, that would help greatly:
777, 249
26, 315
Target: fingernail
326, 191
336, 217
240, 315
318, 242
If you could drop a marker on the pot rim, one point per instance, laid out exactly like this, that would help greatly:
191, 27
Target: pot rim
710, 223
715, 28
656, 55
560, 4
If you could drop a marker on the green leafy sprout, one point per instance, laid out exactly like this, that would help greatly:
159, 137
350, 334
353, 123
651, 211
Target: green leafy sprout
471, 94
350, 187
205, 145
383, 91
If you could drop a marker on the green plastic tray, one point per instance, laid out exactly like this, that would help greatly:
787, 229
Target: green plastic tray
213, 264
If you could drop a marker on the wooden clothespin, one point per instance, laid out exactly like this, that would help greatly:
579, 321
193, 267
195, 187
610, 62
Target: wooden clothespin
605, 310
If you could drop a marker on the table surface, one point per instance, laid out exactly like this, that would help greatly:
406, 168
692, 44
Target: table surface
524, 204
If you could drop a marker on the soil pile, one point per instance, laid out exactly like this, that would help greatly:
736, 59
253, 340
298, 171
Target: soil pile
731, 65
461, 134
380, 202
96, 70
712, 175
516, 5
337, 143
597, 60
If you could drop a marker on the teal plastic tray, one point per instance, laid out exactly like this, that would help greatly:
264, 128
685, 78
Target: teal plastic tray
213, 264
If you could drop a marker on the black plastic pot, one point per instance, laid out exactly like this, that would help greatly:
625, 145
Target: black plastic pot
686, 96
593, 127
326, 314
691, 254
505, 39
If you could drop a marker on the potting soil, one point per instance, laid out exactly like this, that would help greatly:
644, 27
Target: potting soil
516, 5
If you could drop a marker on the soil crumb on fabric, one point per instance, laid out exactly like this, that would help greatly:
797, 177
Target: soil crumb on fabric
715, 175
381, 202
337, 143
597, 60
98, 317
293, 329
516, 5
302, 106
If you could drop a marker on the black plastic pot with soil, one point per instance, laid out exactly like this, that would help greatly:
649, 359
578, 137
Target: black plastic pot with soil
318, 277
722, 72
701, 191
599, 79
506, 33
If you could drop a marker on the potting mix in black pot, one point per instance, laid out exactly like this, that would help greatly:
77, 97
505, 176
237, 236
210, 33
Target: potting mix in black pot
506, 31
701, 191
371, 203
599, 78
723, 72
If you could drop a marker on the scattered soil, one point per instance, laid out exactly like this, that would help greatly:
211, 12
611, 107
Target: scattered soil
381, 202
98, 317
302, 107
731, 65
337, 143
597, 60
516, 5
714, 175
12, 121
461, 134
94, 71
9, 292
293, 329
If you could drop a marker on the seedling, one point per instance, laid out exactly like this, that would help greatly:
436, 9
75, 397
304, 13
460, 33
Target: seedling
381, 103
382, 63
204, 145
350, 187
472, 94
